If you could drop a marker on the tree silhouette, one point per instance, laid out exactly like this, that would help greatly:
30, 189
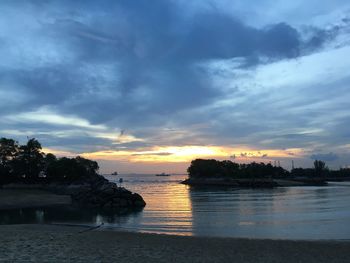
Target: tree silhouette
26, 163
30, 160
8, 151
320, 167
226, 168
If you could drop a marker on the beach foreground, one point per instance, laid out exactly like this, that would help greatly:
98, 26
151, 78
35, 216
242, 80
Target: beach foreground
52, 243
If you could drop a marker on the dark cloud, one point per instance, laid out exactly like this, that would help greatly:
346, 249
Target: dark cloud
320, 36
139, 65
220, 36
155, 50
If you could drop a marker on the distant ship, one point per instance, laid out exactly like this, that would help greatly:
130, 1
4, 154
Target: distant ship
114, 173
163, 174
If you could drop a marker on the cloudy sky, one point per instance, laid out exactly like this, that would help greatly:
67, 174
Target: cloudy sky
148, 85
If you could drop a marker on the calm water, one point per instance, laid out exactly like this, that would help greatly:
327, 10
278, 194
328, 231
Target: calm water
173, 208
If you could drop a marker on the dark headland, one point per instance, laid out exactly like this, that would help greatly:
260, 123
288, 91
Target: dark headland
260, 175
30, 178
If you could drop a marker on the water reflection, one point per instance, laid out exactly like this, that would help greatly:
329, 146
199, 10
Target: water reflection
283, 213
173, 208
168, 208
65, 214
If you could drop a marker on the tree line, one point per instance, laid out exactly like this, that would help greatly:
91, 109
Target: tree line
227, 168
27, 163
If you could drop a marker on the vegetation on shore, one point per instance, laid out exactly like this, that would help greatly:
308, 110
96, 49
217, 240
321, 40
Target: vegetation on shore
78, 177
28, 164
201, 168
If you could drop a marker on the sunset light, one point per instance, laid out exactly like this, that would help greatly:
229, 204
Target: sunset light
175, 131
188, 153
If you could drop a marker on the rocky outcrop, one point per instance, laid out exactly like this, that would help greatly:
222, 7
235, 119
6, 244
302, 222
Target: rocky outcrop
302, 182
220, 181
104, 194
95, 191
210, 181
254, 183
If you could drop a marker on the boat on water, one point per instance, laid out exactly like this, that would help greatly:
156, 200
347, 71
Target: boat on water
163, 174
114, 173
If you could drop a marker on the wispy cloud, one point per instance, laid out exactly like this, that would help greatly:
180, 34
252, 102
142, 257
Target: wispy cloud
46, 116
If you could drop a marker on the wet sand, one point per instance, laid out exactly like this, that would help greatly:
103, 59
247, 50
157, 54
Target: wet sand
50, 243
24, 198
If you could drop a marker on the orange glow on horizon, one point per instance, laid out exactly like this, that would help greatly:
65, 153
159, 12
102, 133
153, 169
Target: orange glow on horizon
173, 154
59, 153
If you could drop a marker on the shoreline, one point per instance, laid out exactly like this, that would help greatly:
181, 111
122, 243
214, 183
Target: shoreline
31, 198
53, 243
97, 192
252, 183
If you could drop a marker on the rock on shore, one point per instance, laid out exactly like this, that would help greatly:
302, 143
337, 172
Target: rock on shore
103, 193
100, 193
254, 183
257, 183
96, 191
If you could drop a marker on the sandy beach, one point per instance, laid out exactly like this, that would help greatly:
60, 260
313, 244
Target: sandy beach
52, 243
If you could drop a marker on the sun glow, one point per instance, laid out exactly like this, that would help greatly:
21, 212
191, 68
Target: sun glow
187, 153
59, 153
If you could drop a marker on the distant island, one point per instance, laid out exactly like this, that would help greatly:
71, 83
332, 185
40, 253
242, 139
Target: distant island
162, 174
228, 173
26, 167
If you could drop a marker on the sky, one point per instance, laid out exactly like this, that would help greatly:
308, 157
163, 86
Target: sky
146, 86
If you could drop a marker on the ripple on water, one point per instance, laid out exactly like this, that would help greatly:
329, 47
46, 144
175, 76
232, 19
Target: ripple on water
173, 208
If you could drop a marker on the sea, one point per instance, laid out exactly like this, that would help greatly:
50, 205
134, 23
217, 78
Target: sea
297, 213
